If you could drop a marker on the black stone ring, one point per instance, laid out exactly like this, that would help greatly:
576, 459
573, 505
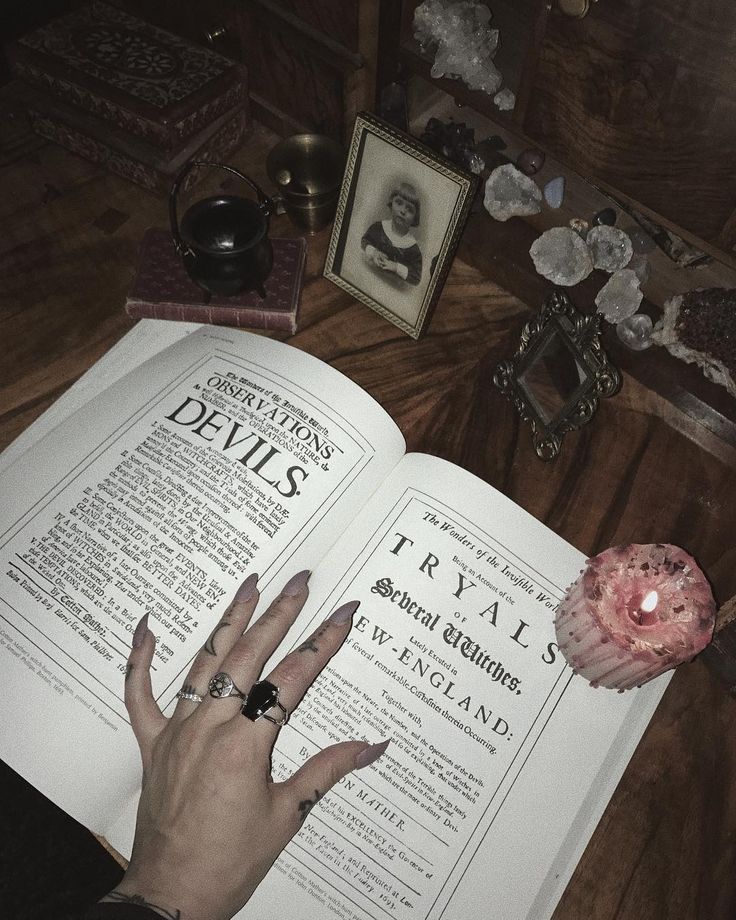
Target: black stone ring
264, 696
222, 686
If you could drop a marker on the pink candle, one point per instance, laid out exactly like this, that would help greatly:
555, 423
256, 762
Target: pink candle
635, 611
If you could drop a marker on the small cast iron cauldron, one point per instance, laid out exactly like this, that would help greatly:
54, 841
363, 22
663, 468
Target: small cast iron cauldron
223, 241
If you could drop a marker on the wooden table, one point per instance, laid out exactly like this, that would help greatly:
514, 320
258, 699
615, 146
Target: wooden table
643, 471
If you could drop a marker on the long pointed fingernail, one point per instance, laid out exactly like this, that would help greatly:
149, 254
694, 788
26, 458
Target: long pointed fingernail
140, 631
343, 613
371, 753
246, 591
296, 584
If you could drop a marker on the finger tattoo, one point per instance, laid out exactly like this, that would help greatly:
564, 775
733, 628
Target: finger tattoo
209, 645
306, 805
310, 644
128, 671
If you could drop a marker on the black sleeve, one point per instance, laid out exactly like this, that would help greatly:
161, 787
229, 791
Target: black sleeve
412, 258
372, 237
108, 910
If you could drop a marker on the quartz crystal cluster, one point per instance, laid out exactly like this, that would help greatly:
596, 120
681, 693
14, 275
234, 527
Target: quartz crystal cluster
509, 193
610, 248
561, 256
567, 255
620, 296
635, 611
464, 41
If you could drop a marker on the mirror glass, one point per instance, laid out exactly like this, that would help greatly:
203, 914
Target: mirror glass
552, 376
558, 374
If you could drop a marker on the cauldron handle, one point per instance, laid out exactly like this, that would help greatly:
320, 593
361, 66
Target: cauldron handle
264, 202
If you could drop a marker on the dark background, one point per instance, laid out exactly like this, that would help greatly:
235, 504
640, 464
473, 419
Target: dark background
18, 18
51, 868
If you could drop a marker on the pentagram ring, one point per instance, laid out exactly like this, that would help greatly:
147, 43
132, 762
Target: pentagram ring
222, 685
262, 697
188, 693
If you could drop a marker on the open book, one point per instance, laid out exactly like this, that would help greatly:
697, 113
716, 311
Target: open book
226, 454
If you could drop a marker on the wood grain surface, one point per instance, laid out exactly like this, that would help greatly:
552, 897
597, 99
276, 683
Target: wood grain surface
309, 64
637, 97
641, 95
640, 472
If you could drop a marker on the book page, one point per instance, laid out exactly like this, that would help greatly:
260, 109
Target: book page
501, 759
228, 453
147, 338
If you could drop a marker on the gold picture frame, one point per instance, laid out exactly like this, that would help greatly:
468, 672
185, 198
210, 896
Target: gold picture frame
399, 218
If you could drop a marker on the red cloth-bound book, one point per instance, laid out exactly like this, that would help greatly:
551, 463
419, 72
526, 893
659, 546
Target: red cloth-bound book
163, 290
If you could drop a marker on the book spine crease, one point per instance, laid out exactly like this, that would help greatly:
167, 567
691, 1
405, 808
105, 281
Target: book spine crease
214, 315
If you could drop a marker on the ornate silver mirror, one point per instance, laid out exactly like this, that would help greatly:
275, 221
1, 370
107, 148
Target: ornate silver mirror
558, 374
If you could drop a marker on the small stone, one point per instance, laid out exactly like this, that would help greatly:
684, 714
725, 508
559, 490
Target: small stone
635, 331
607, 216
476, 164
610, 248
561, 256
554, 192
640, 240
495, 142
620, 296
579, 225
509, 193
530, 161
640, 264
505, 100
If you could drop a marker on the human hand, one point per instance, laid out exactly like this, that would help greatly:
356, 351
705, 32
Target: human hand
372, 255
211, 821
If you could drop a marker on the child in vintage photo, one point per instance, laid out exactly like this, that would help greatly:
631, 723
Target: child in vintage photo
388, 245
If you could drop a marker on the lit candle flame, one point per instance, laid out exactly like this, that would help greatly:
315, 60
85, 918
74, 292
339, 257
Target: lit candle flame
649, 602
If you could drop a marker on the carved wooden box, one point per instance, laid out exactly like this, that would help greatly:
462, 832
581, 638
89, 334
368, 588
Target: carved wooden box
124, 93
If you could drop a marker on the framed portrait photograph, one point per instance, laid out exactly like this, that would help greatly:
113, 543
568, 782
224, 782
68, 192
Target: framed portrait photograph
399, 217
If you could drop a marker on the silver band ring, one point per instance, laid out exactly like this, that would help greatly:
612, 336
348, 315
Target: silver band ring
222, 686
284, 717
262, 697
190, 695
